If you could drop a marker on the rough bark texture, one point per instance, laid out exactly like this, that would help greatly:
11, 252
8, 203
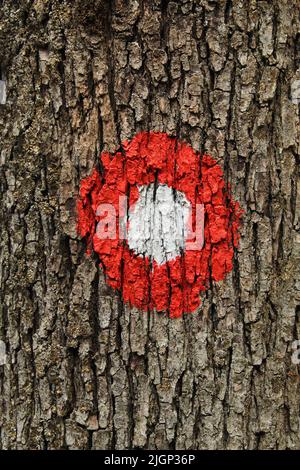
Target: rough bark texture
82, 369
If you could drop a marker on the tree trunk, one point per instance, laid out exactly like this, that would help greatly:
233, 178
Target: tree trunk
79, 368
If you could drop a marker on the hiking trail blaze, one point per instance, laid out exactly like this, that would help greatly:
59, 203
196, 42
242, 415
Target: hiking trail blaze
164, 180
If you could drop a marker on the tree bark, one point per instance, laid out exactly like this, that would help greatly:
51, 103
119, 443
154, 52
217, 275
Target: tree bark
82, 370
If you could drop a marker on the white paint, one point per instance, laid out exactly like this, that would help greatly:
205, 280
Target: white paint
2, 91
158, 223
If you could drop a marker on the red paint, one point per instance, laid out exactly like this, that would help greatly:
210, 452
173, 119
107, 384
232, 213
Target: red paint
176, 285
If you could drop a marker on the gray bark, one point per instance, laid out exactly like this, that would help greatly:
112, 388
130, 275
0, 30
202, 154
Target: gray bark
82, 370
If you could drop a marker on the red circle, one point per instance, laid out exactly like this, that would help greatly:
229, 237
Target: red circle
156, 157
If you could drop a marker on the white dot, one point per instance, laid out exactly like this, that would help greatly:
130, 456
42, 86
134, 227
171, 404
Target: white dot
158, 223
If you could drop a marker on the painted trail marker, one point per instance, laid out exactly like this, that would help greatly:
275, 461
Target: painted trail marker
161, 221
158, 223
